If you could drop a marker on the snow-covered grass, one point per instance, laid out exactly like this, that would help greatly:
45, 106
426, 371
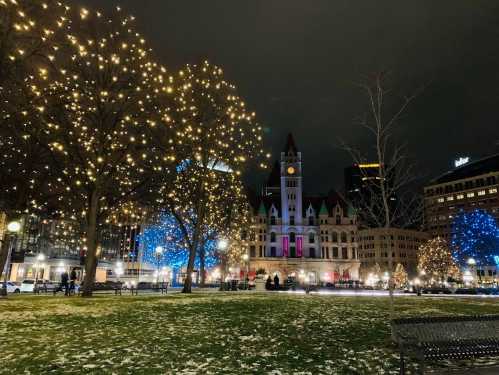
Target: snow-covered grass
209, 333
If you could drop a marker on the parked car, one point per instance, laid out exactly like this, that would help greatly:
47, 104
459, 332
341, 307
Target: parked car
436, 290
42, 286
11, 287
27, 286
466, 291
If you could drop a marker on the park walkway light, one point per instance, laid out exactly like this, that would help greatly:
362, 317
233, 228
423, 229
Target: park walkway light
222, 244
13, 228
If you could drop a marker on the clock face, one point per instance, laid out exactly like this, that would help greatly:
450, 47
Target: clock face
291, 170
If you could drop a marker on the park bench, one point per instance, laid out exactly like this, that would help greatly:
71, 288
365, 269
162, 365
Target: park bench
160, 287
115, 287
446, 338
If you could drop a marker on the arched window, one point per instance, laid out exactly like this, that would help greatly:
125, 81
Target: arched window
272, 220
338, 219
335, 236
272, 236
311, 237
292, 237
343, 237
310, 220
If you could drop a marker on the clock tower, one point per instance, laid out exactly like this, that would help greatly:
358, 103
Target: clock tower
291, 184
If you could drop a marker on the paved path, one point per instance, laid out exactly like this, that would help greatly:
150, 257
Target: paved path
476, 371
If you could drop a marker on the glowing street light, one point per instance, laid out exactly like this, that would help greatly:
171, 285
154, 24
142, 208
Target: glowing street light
13, 228
222, 244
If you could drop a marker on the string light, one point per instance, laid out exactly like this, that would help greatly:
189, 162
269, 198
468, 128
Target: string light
475, 235
435, 259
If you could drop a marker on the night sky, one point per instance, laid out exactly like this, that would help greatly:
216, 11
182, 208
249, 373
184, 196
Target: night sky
296, 64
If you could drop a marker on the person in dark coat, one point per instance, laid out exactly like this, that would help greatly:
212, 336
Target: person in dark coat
276, 282
64, 283
268, 283
73, 281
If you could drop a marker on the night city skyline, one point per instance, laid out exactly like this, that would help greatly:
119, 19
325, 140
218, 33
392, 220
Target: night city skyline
249, 187
297, 66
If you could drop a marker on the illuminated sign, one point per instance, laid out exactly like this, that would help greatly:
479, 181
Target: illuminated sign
370, 165
496, 259
461, 161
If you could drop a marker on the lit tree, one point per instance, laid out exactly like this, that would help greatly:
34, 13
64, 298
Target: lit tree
400, 276
219, 137
28, 33
105, 112
475, 235
165, 233
435, 259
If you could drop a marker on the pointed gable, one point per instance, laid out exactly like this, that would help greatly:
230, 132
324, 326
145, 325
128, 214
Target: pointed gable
262, 210
323, 211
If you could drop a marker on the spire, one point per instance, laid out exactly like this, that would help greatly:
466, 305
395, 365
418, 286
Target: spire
261, 209
323, 210
290, 145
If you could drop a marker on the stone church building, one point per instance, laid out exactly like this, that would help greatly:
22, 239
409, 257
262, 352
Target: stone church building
298, 236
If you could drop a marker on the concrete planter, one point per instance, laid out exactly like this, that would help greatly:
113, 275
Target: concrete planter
259, 285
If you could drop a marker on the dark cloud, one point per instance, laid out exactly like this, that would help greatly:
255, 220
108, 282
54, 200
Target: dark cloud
296, 63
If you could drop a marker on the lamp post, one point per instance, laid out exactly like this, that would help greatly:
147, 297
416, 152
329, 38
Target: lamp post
472, 267
158, 252
13, 228
39, 258
246, 276
222, 248
119, 272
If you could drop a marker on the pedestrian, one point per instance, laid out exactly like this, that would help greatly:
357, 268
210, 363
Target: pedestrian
73, 281
64, 283
276, 282
268, 283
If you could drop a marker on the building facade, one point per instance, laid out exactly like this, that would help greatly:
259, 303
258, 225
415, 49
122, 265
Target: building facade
61, 245
294, 234
375, 244
471, 186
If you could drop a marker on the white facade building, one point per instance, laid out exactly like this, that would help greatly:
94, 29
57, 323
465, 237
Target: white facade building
294, 235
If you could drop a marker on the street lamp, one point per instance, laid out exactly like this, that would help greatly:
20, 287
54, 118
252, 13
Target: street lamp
39, 258
246, 276
158, 252
13, 228
222, 248
472, 267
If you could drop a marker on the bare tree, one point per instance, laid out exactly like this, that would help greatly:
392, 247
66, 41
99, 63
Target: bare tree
386, 200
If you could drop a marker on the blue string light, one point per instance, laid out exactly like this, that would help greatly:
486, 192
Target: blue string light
475, 235
165, 233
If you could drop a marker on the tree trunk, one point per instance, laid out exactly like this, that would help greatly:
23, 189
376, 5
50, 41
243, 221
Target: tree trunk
91, 256
3, 253
193, 252
4, 250
386, 206
202, 261
190, 269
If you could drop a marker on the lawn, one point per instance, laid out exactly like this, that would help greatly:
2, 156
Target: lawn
209, 333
